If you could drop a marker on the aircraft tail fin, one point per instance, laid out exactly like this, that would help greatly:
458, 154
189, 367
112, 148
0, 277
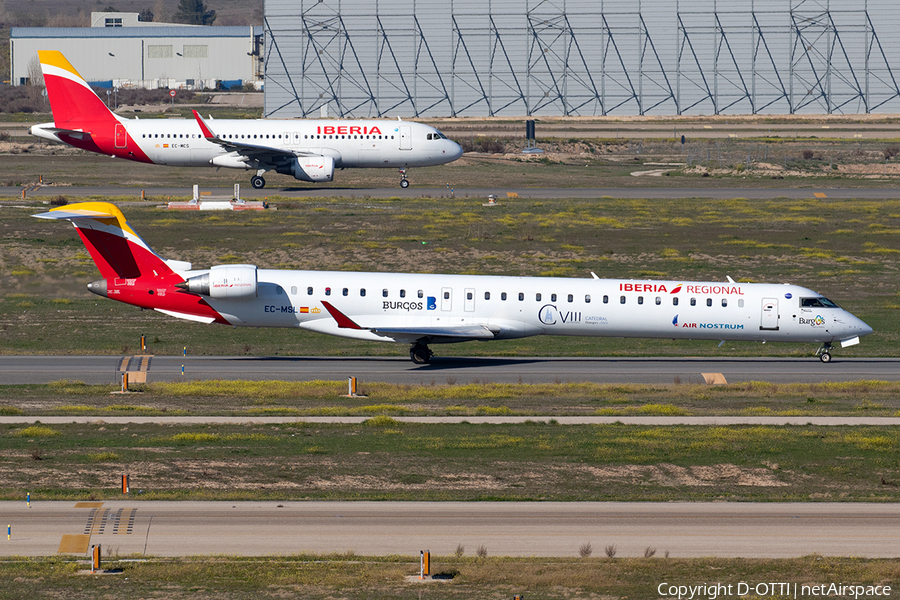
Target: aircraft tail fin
72, 100
117, 250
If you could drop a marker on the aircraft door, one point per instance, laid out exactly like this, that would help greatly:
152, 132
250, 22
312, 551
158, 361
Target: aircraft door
446, 298
405, 138
295, 139
469, 303
121, 137
769, 318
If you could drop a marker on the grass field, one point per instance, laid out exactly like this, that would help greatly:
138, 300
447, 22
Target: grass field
323, 398
382, 459
357, 578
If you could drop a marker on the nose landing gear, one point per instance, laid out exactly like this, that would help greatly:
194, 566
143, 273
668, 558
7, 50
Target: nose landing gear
420, 353
824, 353
404, 182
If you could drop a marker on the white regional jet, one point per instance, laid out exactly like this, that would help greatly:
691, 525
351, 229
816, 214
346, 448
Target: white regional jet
423, 309
308, 150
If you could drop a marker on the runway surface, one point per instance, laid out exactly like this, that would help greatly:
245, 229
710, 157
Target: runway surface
475, 193
104, 369
750, 530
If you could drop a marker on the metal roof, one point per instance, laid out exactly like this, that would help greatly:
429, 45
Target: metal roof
185, 31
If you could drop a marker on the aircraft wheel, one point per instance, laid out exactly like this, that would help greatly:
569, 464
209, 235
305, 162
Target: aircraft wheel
421, 355
257, 182
825, 357
404, 183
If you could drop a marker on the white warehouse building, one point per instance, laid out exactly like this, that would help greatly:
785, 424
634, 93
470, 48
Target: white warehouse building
148, 56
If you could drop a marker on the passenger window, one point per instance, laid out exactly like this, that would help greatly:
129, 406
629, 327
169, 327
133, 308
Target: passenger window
362, 291
345, 291
469, 295
658, 300
503, 296
621, 299
328, 291
293, 290
446, 295
384, 293
309, 291
605, 299
724, 302
521, 296
640, 299
693, 302
421, 294
570, 298
741, 303
675, 301
487, 295
552, 297
403, 293
537, 297
709, 301
587, 298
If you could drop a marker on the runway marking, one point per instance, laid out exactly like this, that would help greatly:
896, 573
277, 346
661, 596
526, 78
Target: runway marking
88, 504
819, 195
126, 521
74, 544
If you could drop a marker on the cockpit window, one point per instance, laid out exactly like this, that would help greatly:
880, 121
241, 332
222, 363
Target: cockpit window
438, 135
817, 303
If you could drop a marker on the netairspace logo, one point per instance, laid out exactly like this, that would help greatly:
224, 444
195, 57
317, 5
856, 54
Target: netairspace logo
712, 591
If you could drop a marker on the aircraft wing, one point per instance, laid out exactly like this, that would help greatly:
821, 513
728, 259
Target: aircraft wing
461, 332
265, 154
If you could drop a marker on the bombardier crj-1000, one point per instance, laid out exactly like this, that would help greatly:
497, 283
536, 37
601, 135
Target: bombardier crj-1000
423, 309
309, 150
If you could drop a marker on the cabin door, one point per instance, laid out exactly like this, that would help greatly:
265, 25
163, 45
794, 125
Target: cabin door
121, 138
446, 298
769, 317
469, 304
405, 138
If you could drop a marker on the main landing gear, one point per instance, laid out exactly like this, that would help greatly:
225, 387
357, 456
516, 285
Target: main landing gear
257, 180
420, 353
824, 353
404, 182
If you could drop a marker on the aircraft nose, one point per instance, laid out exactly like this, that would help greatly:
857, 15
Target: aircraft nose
456, 150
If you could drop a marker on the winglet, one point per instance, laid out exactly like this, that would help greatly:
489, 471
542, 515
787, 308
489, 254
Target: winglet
206, 131
343, 321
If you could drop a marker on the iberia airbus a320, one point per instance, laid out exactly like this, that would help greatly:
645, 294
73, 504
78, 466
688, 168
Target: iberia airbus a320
423, 309
308, 150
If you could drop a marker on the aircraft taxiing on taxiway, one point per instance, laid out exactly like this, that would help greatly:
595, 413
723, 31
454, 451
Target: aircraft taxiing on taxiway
423, 309
307, 149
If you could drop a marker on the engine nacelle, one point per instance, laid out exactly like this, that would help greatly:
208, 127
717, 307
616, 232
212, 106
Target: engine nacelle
230, 161
310, 168
226, 282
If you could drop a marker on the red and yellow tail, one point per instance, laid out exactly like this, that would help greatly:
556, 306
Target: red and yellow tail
72, 100
117, 250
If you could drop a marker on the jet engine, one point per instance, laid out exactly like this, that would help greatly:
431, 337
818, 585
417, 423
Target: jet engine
309, 168
226, 282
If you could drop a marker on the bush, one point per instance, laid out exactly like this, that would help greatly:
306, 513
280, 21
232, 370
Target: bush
891, 152
483, 145
808, 154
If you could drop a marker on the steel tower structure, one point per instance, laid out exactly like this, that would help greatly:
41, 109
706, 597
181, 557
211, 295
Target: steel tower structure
577, 57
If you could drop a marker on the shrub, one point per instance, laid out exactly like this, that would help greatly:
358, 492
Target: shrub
808, 154
610, 551
891, 151
585, 550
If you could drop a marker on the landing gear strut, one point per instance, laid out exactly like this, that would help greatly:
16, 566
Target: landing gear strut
404, 182
420, 353
824, 353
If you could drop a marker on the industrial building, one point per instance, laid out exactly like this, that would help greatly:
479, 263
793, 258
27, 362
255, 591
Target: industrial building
120, 51
417, 58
